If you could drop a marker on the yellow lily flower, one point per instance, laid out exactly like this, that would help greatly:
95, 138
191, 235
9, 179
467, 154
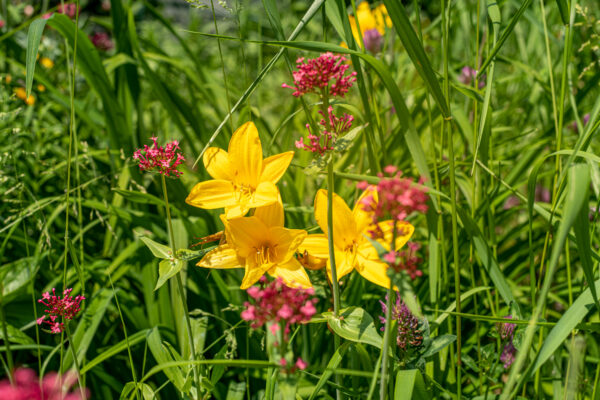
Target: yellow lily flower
368, 19
352, 249
260, 244
242, 179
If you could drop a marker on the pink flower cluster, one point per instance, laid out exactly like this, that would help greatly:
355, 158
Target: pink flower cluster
409, 335
406, 260
57, 307
507, 332
397, 197
299, 365
69, 9
27, 387
333, 127
101, 40
468, 74
164, 159
279, 304
316, 75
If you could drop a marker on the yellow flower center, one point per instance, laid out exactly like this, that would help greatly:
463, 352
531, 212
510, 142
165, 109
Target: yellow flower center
265, 254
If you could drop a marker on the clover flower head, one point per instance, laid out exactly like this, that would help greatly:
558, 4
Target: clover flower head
397, 197
102, 41
468, 74
68, 9
409, 336
27, 386
406, 260
164, 159
324, 74
280, 304
332, 128
66, 307
506, 331
373, 40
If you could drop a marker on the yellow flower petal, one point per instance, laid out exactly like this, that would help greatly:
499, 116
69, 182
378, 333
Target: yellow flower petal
316, 245
252, 275
224, 256
216, 162
404, 232
266, 193
286, 241
366, 19
271, 215
374, 271
344, 264
274, 167
212, 194
245, 235
363, 218
382, 18
245, 155
344, 227
292, 274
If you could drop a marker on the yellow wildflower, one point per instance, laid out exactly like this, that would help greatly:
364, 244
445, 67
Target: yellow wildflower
242, 179
22, 94
352, 249
260, 244
46, 62
41, 88
8, 78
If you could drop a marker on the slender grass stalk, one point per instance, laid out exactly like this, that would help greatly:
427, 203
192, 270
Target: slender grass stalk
385, 362
133, 375
447, 124
9, 357
75, 361
214, 15
180, 287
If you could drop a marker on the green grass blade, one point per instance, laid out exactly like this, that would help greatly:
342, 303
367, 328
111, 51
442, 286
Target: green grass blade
415, 51
34, 35
332, 365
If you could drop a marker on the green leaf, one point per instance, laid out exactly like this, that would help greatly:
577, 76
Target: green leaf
164, 359
415, 51
189, 254
565, 325
139, 197
166, 270
115, 349
410, 385
332, 365
354, 324
87, 327
34, 35
128, 391
438, 343
582, 236
159, 250
342, 144
15, 335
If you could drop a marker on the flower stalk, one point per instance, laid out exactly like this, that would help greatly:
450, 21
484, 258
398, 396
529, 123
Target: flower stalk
385, 362
180, 282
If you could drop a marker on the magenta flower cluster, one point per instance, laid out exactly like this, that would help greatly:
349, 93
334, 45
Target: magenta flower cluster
164, 159
27, 387
397, 197
333, 127
409, 336
406, 260
506, 331
102, 41
66, 307
468, 74
279, 304
326, 73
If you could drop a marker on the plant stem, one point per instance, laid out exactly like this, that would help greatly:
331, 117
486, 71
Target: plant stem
334, 279
9, 359
75, 361
386, 345
180, 285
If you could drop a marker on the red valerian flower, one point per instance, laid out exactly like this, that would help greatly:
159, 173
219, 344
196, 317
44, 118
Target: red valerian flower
325, 74
26, 386
164, 159
66, 307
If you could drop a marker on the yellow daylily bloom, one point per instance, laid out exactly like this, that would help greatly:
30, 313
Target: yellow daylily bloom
368, 19
352, 249
260, 244
242, 179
